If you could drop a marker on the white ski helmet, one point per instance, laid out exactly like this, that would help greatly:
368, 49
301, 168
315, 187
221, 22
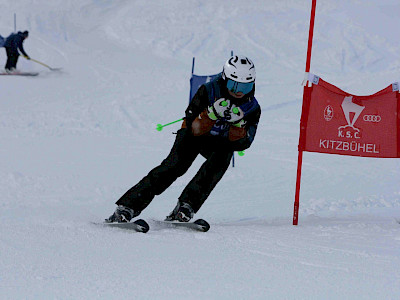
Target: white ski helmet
240, 69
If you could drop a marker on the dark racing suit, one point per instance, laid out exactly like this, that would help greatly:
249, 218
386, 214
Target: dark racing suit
217, 149
12, 44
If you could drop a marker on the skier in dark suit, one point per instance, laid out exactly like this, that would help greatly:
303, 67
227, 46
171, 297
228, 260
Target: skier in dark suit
221, 118
12, 44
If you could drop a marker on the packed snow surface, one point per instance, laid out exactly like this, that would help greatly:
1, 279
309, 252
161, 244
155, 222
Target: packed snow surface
73, 142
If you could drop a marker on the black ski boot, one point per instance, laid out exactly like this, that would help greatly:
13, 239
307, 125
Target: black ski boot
122, 214
182, 212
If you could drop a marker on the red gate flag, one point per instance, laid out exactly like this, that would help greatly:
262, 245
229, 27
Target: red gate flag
337, 122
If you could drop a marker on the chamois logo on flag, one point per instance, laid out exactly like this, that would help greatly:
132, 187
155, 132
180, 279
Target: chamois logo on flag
328, 113
351, 113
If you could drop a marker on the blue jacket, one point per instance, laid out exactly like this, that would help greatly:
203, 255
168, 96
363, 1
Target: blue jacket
14, 43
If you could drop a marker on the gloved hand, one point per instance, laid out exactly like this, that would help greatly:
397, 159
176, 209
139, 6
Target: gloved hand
27, 57
235, 114
219, 109
222, 109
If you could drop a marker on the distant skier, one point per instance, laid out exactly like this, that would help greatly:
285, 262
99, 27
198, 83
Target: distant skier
221, 118
13, 43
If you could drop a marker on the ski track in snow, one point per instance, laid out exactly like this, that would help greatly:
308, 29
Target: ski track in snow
74, 141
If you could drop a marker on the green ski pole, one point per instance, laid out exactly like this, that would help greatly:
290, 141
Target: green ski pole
160, 126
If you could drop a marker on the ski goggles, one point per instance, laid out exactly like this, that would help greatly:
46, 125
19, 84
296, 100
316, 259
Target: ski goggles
239, 87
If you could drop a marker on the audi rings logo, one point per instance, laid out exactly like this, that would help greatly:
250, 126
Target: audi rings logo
328, 113
372, 118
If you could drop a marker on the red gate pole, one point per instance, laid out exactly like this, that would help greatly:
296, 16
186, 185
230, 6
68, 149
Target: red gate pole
310, 35
297, 196
301, 139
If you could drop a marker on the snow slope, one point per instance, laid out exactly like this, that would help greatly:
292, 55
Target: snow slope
73, 142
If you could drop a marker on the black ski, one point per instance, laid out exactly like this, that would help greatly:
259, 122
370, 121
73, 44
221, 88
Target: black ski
138, 225
21, 73
199, 225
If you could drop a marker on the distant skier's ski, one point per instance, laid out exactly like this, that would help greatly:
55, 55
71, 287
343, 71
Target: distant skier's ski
199, 225
138, 225
20, 73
